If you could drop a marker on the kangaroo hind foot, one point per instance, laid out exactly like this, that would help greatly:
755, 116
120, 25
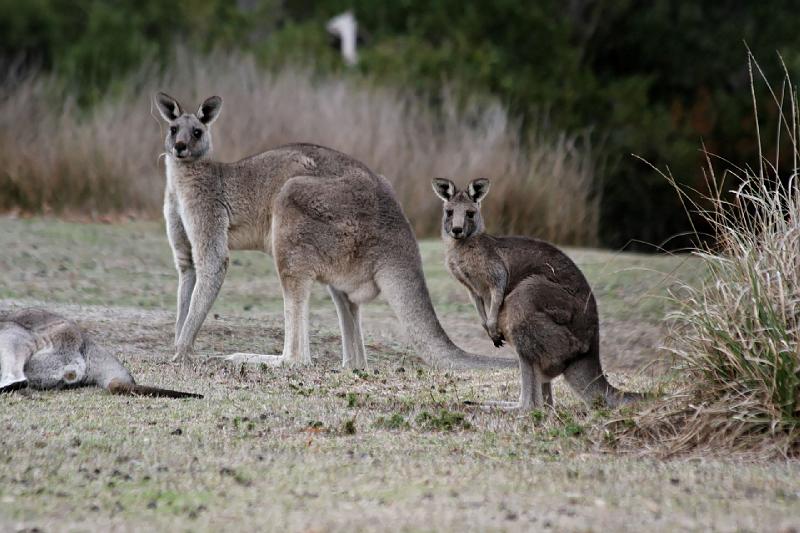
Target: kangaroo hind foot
255, 359
535, 392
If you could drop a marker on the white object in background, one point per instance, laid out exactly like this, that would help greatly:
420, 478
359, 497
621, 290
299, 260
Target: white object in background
345, 27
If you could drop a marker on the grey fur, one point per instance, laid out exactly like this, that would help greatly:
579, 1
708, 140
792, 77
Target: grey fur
531, 294
324, 217
48, 351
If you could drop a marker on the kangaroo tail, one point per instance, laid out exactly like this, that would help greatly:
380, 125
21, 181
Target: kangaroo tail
407, 294
585, 376
107, 372
17, 385
118, 386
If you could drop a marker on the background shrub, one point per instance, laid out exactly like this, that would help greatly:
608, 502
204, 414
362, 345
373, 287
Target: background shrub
653, 79
105, 159
736, 336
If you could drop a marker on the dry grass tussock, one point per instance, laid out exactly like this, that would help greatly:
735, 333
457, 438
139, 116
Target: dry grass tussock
57, 157
737, 335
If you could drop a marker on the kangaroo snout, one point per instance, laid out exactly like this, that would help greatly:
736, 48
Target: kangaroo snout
457, 232
180, 149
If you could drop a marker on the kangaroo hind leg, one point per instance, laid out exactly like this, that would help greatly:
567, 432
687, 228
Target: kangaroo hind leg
16, 347
547, 393
534, 393
296, 296
532, 386
353, 355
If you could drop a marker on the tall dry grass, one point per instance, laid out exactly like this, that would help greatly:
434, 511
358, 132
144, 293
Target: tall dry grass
54, 156
737, 337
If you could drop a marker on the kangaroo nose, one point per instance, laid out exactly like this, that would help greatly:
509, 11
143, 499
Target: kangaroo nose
180, 146
457, 231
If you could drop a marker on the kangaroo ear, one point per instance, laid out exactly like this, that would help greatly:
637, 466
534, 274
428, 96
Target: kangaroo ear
209, 110
444, 189
169, 108
477, 189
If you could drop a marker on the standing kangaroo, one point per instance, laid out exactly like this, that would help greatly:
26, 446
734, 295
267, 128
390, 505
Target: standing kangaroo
48, 351
530, 293
322, 215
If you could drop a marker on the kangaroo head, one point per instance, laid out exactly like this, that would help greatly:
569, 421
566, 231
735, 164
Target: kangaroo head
462, 209
188, 136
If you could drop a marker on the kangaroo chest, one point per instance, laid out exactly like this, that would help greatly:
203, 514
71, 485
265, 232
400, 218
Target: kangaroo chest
203, 207
472, 272
194, 193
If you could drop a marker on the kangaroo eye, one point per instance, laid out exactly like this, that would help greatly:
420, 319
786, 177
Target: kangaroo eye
448, 212
470, 214
197, 133
173, 130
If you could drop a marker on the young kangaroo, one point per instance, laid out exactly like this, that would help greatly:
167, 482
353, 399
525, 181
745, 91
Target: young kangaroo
322, 215
530, 293
48, 351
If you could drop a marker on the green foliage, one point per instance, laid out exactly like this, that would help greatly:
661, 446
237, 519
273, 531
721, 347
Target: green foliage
443, 421
316, 425
396, 421
93, 43
352, 399
538, 416
349, 426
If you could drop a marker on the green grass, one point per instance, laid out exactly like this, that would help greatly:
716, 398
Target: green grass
130, 265
322, 448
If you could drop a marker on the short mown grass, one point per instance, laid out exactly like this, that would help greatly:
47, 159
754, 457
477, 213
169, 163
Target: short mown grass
321, 448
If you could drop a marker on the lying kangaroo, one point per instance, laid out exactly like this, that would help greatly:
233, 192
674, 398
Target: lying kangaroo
322, 215
528, 292
48, 351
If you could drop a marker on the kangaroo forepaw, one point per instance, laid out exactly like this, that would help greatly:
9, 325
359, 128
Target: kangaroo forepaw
495, 334
11, 387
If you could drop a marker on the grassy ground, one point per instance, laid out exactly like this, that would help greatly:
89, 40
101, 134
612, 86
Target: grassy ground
321, 448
